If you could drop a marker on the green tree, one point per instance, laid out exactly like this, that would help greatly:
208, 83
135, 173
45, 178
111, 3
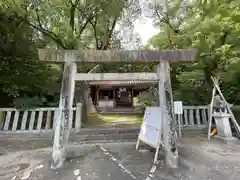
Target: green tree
75, 24
21, 75
212, 27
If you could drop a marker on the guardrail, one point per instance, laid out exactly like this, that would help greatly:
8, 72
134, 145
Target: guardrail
42, 119
38, 119
195, 115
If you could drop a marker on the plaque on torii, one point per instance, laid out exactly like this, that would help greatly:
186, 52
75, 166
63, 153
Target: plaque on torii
71, 57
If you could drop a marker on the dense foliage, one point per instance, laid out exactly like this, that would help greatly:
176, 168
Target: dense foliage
65, 24
211, 26
22, 77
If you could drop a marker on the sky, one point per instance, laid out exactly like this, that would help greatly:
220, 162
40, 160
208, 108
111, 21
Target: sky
144, 26
145, 29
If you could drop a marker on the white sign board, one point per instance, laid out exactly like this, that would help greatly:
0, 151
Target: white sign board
178, 107
151, 127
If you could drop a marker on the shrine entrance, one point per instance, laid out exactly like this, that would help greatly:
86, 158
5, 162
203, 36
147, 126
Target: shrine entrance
123, 97
63, 119
117, 94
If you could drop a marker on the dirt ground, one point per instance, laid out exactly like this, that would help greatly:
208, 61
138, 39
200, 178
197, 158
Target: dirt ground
113, 120
200, 159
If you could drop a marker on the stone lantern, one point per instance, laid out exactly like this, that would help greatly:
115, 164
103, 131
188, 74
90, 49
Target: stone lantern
222, 117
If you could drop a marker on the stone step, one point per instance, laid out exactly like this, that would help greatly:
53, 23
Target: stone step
90, 134
103, 137
107, 131
133, 130
120, 136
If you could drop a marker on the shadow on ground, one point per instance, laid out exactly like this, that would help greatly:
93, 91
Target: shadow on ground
198, 159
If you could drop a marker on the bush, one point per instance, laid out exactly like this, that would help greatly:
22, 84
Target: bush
147, 98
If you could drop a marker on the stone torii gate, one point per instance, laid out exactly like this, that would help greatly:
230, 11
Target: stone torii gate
70, 58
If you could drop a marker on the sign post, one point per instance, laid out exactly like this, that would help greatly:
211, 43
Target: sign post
178, 110
151, 129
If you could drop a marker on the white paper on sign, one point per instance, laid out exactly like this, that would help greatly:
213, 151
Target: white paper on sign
178, 107
151, 126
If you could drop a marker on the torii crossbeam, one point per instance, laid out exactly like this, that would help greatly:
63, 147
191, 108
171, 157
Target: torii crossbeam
70, 75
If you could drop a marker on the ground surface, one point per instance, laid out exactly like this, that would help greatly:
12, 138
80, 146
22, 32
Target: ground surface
113, 120
199, 159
